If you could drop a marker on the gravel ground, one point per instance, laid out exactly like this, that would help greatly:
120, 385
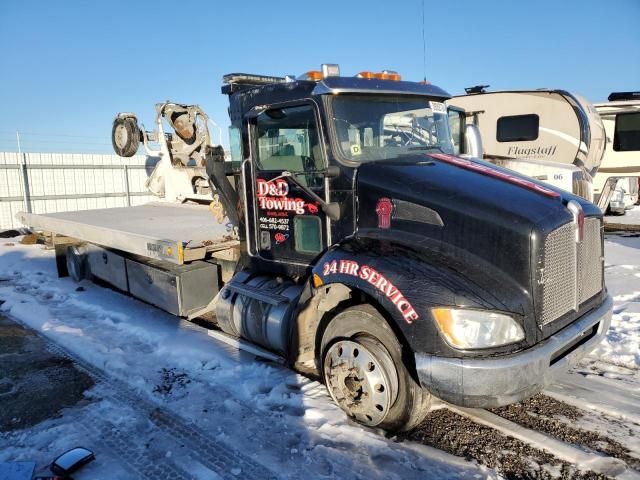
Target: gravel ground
541, 413
512, 458
34, 385
42, 386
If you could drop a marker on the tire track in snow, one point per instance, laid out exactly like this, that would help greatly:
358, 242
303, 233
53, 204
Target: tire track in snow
209, 451
58, 306
375, 458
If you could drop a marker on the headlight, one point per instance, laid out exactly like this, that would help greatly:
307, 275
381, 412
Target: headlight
465, 329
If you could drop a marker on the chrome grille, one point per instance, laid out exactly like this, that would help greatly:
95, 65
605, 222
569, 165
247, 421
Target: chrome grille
590, 261
558, 275
571, 271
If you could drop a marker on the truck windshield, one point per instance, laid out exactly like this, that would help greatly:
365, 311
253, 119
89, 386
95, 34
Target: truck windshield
376, 127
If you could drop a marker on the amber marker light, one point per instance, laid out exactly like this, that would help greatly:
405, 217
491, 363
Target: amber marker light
317, 281
313, 75
442, 317
367, 75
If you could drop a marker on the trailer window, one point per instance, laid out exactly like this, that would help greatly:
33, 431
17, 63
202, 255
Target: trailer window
626, 137
288, 140
518, 128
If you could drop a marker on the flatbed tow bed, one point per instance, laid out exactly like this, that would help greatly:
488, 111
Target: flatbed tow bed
171, 255
176, 233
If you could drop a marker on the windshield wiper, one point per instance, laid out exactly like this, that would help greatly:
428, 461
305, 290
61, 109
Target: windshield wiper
430, 147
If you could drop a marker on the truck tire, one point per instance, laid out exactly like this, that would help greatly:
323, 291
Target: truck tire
363, 370
77, 263
125, 136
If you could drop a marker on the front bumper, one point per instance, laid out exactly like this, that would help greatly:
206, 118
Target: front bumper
497, 381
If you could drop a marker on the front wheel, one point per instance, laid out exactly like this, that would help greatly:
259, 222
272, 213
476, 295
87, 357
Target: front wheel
365, 375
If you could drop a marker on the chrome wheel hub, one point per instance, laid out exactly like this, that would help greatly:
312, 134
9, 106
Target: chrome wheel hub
362, 379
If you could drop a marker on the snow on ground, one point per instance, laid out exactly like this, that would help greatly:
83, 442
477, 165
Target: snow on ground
622, 270
280, 419
608, 380
277, 417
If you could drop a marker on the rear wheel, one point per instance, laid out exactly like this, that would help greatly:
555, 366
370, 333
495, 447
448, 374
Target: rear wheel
365, 375
77, 263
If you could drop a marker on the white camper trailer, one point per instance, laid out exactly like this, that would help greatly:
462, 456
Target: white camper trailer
621, 162
551, 135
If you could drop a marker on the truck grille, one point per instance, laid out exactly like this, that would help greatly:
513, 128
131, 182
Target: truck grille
571, 272
590, 261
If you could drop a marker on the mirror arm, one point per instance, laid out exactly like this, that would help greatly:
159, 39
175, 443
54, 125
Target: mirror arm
332, 209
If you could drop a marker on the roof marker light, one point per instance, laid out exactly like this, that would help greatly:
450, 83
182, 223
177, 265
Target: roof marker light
390, 75
330, 70
368, 75
384, 75
313, 75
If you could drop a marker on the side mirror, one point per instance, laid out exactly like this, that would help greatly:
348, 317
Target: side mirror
71, 461
473, 141
332, 210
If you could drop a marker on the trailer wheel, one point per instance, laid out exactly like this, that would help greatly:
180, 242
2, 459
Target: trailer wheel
77, 263
125, 136
365, 375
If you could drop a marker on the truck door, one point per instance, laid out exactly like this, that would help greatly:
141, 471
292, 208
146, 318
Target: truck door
289, 224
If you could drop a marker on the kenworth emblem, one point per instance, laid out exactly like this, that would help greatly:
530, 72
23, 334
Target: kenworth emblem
384, 208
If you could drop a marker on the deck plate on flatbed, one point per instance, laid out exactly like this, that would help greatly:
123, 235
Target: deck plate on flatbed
158, 230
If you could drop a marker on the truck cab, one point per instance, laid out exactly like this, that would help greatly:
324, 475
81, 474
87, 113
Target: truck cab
348, 239
415, 272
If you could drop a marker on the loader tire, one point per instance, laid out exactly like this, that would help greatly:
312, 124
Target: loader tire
364, 372
125, 136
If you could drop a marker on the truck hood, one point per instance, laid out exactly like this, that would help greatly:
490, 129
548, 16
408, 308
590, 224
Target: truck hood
484, 227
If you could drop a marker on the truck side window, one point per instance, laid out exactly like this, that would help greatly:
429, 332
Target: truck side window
626, 137
308, 233
518, 128
288, 140
235, 145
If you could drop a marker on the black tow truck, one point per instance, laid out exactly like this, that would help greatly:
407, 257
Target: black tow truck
369, 256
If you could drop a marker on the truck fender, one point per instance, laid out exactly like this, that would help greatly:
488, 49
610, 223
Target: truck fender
400, 285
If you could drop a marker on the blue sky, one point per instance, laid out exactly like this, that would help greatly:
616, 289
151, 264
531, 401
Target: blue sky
66, 67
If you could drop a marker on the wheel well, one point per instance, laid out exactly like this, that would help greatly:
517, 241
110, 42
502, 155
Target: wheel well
323, 307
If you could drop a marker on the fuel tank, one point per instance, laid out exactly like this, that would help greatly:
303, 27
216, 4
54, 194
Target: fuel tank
258, 308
